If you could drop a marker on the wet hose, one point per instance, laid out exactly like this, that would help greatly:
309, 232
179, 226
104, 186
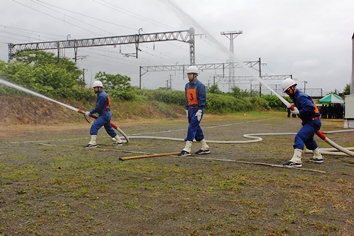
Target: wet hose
287, 104
333, 144
57, 102
257, 138
318, 133
113, 125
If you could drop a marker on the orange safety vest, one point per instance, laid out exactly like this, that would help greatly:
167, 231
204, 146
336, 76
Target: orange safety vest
316, 108
108, 102
192, 98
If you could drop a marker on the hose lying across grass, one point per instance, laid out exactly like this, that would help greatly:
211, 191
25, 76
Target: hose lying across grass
256, 138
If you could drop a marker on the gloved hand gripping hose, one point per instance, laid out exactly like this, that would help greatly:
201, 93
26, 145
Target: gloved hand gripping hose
324, 137
113, 125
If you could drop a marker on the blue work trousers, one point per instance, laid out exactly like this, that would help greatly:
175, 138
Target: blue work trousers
103, 120
194, 129
305, 136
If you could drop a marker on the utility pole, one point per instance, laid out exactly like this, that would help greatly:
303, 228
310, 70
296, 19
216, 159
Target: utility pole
231, 35
305, 82
251, 87
170, 82
83, 75
260, 76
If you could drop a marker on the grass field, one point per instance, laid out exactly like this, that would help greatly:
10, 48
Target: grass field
51, 185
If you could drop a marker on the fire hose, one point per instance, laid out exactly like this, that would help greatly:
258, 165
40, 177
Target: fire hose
325, 138
59, 103
318, 133
256, 137
188, 18
113, 125
287, 104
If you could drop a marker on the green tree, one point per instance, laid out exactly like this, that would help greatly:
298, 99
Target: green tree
239, 93
117, 81
45, 74
214, 89
41, 72
346, 90
36, 57
2, 67
117, 86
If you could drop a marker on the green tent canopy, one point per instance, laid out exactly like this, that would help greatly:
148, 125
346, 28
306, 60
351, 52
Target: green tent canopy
331, 98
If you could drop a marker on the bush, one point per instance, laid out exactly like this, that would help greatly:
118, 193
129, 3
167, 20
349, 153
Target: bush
122, 95
226, 104
259, 103
274, 102
166, 96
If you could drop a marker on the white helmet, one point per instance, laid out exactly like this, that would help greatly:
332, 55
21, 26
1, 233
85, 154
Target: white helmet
97, 83
192, 70
287, 83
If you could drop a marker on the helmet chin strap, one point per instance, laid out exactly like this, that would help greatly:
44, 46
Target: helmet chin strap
194, 78
293, 88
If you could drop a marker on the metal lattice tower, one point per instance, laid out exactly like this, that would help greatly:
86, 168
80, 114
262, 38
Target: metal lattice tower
231, 35
185, 36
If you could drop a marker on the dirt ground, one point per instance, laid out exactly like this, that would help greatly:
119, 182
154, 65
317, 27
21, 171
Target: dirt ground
50, 185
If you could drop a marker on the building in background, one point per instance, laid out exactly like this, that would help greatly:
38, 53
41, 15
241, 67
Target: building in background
349, 99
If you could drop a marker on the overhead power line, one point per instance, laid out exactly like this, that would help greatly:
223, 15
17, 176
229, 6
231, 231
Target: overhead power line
186, 36
53, 17
87, 16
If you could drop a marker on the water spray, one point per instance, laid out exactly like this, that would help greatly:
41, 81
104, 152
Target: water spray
180, 13
57, 102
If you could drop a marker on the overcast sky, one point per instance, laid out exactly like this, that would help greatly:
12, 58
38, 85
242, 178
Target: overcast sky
310, 40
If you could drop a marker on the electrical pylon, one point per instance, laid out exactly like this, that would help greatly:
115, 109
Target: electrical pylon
231, 35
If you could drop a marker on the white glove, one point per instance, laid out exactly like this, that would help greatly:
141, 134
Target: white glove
199, 114
187, 113
295, 111
86, 113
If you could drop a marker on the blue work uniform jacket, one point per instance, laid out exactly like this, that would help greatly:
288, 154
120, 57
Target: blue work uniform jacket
306, 106
200, 93
103, 103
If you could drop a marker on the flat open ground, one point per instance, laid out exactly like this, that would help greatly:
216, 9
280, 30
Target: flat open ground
50, 185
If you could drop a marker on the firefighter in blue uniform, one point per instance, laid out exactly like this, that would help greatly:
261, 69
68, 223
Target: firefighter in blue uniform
195, 94
309, 114
103, 104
